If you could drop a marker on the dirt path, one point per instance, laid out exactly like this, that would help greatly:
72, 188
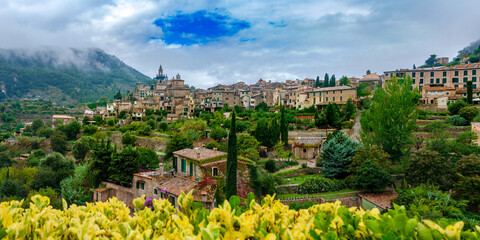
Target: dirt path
356, 128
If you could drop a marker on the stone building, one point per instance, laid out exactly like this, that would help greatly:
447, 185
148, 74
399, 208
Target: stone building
307, 147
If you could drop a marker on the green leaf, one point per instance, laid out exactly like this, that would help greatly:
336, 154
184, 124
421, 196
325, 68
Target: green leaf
234, 201
401, 222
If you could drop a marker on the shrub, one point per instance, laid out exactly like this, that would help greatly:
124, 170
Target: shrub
457, 120
319, 185
468, 113
163, 126
270, 165
454, 107
212, 144
304, 165
218, 133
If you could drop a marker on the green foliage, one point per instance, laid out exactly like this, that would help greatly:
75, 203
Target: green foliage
118, 95
468, 180
430, 62
261, 107
5, 160
349, 110
468, 113
82, 146
163, 126
218, 133
123, 165
332, 115
469, 93
326, 80
212, 144
428, 166
336, 154
268, 182
128, 139
89, 130
298, 206
147, 159
332, 81
283, 126
370, 176
344, 81
178, 141
55, 201
456, 120
270, 165
72, 129
427, 202
100, 161
436, 126
58, 141
391, 118
37, 124
454, 107
320, 184
45, 132
13, 189
370, 153
231, 174
52, 170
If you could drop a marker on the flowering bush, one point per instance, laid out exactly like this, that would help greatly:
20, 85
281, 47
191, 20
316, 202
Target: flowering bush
319, 185
270, 220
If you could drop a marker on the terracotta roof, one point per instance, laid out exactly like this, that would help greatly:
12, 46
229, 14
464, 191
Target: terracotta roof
220, 162
178, 184
101, 189
381, 199
62, 116
198, 154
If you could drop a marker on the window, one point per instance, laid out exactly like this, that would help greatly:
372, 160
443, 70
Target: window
334, 93
138, 185
465, 73
421, 80
465, 79
431, 74
413, 81
304, 150
299, 106
456, 73
326, 99
155, 191
333, 99
413, 74
191, 168
455, 80
474, 86
340, 98
314, 100
456, 86
444, 80
474, 79
444, 74
421, 74
184, 165
437, 80
431, 80
142, 185
214, 171
474, 72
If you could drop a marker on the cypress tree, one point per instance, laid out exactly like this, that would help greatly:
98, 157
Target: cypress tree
469, 92
283, 126
317, 82
274, 130
231, 181
332, 81
326, 81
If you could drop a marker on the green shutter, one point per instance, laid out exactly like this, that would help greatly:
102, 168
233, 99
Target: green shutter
184, 165
191, 168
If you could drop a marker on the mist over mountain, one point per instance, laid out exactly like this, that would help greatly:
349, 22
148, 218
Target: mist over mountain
66, 76
469, 49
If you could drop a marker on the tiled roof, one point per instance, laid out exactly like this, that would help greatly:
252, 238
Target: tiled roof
198, 154
63, 116
381, 199
176, 185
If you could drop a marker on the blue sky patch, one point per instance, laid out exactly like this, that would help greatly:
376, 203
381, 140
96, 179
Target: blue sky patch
199, 27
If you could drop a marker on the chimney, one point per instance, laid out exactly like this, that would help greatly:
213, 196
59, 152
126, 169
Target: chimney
161, 169
215, 149
198, 155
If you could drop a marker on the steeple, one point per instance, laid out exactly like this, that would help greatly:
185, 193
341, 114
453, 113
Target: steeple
160, 71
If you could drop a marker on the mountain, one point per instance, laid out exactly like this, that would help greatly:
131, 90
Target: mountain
65, 76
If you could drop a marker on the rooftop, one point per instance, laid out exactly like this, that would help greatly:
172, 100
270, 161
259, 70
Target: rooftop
381, 199
199, 154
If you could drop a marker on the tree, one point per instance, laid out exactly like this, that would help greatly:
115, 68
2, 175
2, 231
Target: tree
55, 201
123, 166
45, 132
331, 113
274, 130
37, 124
283, 126
455, 107
326, 80
414, 67
391, 117
332, 81
336, 154
212, 144
430, 62
369, 72
117, 96
468, 113
218, 133
428, 166
279, 150
82, 146
52, 170
371, 177
231, 178
12, 189
72, 129
270, 165
100, 162
58, 141
261, 107
246, 141
344, 81
178, 141
349, 110
261, 132
370, 153
147, 159
317, 82
5, 160
469, 92
468, 179
128, 139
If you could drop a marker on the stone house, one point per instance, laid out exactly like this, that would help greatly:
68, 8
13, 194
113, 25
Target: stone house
307, 147
64, 119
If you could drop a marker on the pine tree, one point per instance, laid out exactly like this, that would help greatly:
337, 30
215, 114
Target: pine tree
469, 92
369, 72
332, 81
326, 80
283, 126
317, 82
336, 155
231, 181
414, 67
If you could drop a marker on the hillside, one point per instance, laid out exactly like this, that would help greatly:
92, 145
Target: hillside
65, 76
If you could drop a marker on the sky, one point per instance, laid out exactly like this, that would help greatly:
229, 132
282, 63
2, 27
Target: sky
211, 42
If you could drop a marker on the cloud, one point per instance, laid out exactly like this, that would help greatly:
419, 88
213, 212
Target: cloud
218, 41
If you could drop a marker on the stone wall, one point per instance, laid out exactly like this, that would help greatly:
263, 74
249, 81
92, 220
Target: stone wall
354, 201
152, 143
287, 188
